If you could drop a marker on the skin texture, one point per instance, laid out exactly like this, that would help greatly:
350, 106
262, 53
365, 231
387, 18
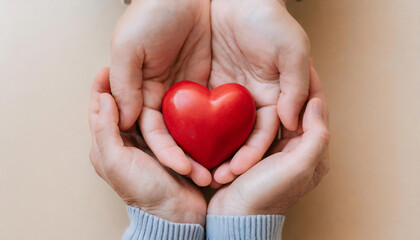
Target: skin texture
157, 43
254, 43
124, 161
258, 44
296, 166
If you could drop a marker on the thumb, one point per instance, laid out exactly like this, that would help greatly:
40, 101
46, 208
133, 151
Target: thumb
126, 79
294, 86
106, 129
315, 136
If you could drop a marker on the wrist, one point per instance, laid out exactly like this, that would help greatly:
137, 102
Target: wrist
177, 212
222, 208
226, 204
153, 227
228, 209
177, 216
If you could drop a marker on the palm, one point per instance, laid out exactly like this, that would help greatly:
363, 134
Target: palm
250, 42
248, 188
126, 163
167, 41
135, 175
295, 165
242, 53
178, 48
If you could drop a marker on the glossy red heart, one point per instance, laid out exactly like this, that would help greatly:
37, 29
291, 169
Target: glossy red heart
209, 125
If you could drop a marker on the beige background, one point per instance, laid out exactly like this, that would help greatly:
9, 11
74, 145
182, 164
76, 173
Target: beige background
367, 53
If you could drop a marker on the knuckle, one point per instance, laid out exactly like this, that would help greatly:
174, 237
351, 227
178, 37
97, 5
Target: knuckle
294, 91
100, 127
302, 40
121, 85
121, 38
117, 88
305, 40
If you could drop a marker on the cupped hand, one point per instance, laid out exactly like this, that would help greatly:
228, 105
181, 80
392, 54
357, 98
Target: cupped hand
123, 160
258, 44
297, 164
157, 43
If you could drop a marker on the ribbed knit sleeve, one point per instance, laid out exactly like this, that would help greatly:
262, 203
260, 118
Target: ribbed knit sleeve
255, 227
144, 226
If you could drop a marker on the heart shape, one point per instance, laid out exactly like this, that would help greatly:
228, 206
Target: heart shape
209, 125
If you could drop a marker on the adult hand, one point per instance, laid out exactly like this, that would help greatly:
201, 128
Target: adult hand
258, 44
298, 164
123, 160
157, 43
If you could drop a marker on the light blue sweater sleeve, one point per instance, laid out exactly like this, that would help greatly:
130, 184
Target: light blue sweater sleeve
144, 226
148, 227
254, 227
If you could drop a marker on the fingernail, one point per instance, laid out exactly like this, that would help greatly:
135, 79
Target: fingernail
319, 109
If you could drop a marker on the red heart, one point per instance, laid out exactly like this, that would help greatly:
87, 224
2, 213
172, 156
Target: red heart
209, 125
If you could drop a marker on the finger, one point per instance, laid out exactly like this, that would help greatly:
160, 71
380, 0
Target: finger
105, 126
101, 82
199, 174
286, 134
100, 85
284, 146
95, 156
161, 142
315, 89
294, 86
265, 130
223, 174
315, 138
214, 184
126, 80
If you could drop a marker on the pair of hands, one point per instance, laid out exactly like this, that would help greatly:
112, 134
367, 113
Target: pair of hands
257, 44
294, 165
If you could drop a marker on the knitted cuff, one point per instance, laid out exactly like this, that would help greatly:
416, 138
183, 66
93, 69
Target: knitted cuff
146, 226
256, 227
